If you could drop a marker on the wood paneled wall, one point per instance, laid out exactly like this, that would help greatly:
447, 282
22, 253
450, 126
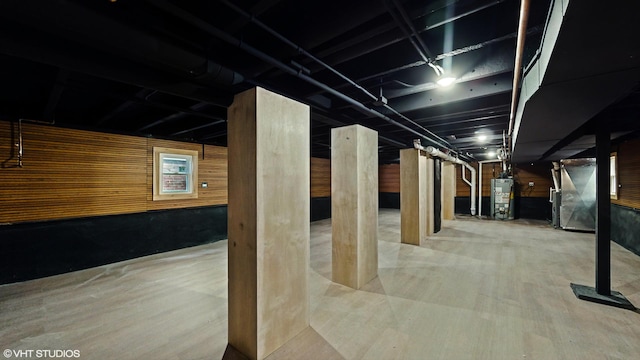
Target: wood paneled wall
71, 173
538, 173
389, 178
629, 174
320, 177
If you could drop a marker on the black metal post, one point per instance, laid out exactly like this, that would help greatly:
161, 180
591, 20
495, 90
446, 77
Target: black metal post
602, 292
603, 206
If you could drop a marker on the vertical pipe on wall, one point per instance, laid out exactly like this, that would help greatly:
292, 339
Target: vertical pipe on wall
554, 175
517, 69
20, 142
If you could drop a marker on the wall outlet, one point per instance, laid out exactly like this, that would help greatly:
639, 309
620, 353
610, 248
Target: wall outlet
531, 184
204, 184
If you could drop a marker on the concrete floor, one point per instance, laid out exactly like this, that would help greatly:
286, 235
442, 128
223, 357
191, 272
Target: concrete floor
479, 289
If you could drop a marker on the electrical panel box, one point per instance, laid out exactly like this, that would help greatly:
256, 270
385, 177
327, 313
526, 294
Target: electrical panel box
502, 199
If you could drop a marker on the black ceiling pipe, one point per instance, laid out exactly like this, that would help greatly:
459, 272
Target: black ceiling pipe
79, 24
296, 47
186, 16
353, 52
420, 47
95, 63
174, 116
322, 63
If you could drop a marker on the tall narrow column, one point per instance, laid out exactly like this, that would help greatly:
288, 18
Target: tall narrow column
413, 197
430, 196
437, 194
603, 212
268, 221
354, 205
448, 190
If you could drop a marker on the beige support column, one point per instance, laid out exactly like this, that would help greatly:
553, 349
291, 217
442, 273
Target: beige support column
268, 221
354, 205
430, 194
413, 197
448, 190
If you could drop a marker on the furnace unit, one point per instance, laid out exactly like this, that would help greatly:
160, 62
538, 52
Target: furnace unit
578, 205
502, 199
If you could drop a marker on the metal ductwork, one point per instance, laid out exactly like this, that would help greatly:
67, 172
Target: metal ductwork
577, 72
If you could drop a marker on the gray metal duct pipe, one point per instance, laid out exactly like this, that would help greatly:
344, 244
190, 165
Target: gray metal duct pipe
212, 30
435, 152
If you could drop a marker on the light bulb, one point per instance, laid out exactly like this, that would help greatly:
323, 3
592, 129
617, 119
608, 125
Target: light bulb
446, 81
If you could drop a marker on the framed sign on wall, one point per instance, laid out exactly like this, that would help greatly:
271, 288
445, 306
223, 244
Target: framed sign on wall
175, 174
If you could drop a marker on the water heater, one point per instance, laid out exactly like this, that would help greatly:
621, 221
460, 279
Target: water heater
502, 199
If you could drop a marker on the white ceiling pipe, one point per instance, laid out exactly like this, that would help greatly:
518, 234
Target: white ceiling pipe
480, 183
435, 152
554, 175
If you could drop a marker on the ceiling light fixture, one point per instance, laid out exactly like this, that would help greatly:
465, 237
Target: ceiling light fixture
443, 80
482, 137
446, 81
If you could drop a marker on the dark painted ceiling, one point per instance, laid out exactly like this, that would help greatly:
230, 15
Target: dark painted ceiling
169, 69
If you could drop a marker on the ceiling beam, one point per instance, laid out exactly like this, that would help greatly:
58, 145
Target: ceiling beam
496, 65
459, 92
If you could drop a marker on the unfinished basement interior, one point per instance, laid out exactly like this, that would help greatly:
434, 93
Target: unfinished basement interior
278, 179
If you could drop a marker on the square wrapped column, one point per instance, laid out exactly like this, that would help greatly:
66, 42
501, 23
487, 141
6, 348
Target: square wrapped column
354, 205
413, 196
268, 221
448, 190
429, 179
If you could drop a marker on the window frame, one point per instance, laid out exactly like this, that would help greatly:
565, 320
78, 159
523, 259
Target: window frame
162, 178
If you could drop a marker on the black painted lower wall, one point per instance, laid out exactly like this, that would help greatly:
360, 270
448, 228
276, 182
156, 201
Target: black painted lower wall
625, 227
35, 250
388, 200
525, 207
320, 208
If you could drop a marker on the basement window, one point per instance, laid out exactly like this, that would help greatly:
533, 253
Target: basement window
175, 174
613, 175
